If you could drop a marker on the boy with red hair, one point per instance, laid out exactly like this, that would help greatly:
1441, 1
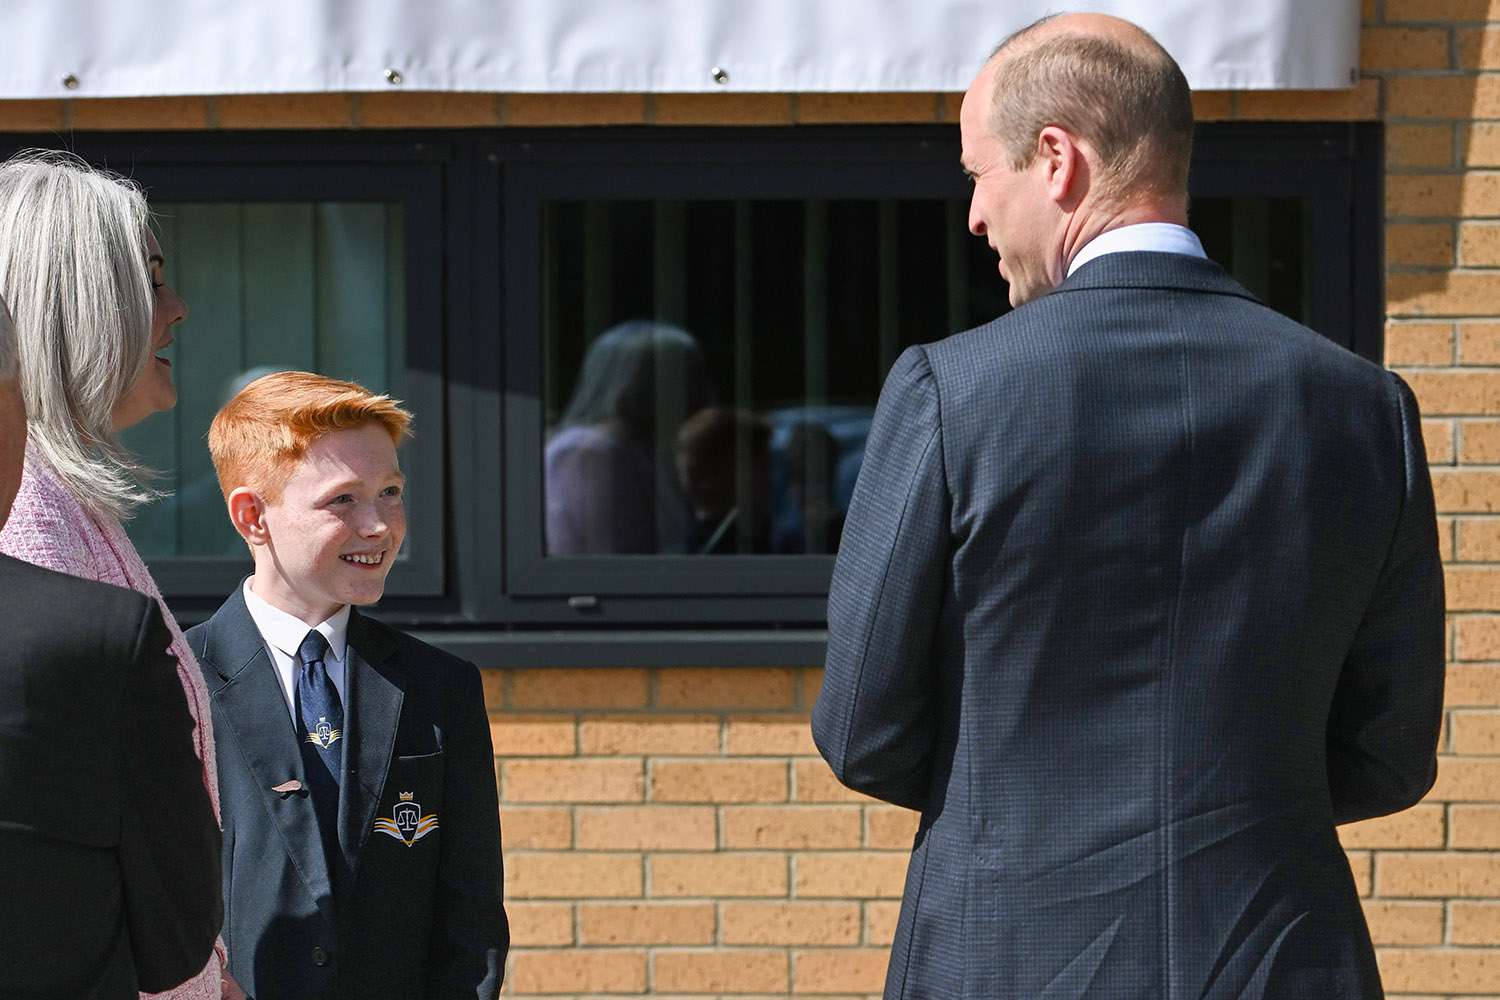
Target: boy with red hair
356, 771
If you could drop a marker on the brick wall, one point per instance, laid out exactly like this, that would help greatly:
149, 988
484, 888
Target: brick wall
673, 832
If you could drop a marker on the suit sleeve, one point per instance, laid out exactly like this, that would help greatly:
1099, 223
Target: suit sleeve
874, 718
1388, 706
169, 841
471, 936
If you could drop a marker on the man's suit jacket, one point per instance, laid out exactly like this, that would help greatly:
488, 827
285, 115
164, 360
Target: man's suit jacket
397, 920
1138, 596
109, 852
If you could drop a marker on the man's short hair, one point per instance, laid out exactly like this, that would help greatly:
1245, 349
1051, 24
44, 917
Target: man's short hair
261, 434
1132, 104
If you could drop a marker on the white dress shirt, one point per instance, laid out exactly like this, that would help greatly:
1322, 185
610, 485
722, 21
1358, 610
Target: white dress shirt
283, 633
1161, 237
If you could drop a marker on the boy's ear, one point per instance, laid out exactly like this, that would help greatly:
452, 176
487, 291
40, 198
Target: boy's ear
248, 515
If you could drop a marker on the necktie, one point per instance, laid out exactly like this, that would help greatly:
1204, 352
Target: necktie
322, 715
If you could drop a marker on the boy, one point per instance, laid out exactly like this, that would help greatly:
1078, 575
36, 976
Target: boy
356, 772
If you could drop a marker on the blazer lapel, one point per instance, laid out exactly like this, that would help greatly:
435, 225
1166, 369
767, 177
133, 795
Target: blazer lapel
374, 684
253, 708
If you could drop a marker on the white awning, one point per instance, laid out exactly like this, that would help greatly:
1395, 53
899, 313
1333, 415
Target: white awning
132, 48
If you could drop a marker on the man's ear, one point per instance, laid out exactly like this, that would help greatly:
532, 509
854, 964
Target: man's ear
1064, 165
247, 512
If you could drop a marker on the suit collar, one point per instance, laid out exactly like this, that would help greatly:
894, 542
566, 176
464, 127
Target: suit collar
1149, 269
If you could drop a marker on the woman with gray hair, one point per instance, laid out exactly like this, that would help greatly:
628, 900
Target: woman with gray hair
83, 274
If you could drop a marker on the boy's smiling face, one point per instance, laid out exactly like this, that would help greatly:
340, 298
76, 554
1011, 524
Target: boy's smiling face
334, 532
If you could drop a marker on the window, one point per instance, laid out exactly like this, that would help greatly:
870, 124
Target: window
642, 362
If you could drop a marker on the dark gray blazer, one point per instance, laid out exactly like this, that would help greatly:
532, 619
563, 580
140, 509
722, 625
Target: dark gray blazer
109, 853
1139, 595
401, 922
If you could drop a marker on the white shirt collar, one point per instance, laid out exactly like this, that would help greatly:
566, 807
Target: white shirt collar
286, 632
1160, 237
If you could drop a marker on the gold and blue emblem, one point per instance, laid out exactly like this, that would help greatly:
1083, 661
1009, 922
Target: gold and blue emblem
323, 734
406, 822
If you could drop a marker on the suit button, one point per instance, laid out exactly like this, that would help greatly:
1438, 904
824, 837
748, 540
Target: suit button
320, 957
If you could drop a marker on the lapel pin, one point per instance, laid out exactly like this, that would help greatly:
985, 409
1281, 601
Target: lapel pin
287, 787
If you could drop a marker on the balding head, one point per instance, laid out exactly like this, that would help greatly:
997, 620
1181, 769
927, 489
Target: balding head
1110, 84
12, 417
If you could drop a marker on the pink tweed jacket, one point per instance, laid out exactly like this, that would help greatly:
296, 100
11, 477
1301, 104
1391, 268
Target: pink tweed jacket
48, 527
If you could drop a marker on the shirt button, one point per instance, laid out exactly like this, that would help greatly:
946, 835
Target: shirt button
320, 957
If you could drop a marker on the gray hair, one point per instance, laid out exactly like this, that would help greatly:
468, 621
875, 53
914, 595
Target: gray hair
73, 268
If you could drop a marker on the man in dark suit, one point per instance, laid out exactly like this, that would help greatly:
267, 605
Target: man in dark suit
109, 852
1139, 593
356, 771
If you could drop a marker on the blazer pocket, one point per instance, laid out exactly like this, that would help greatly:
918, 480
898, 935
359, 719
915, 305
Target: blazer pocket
411, 805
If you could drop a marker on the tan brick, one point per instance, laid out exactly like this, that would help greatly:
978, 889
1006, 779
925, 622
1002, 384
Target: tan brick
846, 108
1419, 243
1479, 343
1419, 145
593, 687
494, 688
1472, 588
718, 781
1476, 731
1450, 293
812, 781
1479, 144
788, 923
1362, 868
1442, 10
741, 971
1420, 826
1479, 442
1403, 48
1472, 685
575, 109
891, 827
1477, 637
533, 735
577, 971
1212, 105
1478, 541
284, 111
1478, 48
572, 874
1466, 491
1455, 393
840, 970
790, 827
1462, 96
646, 923
1445, 538
725, 687
1474, 923
427, 109
1361, 103
881, 918
765, 735
536, 827
1404, 923
1424, 195
809, 682
646, 828
1408, 344
572, 781
1462, 970
1429, 874
649, 734
722, 874
1464, 779
1437, 437
167, 113
31, 116
540, 924
1474, 827
1478, 246
721, 109
854, 874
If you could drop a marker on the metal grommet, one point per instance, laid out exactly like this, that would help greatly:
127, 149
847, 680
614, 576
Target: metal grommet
70, 82
720, 75
393, 77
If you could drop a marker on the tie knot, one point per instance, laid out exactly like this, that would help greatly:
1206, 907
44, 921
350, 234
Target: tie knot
313, 647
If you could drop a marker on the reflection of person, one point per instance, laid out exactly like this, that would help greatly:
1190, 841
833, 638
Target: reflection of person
109, 852
609, 482
708, 466
812, 455
84, 277
364, 856
1139, 591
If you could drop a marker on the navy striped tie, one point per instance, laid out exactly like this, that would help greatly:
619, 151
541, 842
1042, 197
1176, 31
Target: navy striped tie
322, 715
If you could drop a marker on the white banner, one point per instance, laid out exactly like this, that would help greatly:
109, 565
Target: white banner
132, 48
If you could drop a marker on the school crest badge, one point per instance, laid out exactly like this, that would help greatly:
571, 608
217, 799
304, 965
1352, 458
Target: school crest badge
323, 734
406, 822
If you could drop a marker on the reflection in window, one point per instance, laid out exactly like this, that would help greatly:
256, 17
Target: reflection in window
711, 367
270, 285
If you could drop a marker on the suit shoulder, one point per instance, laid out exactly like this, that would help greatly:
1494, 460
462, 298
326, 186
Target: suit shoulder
430, 662
42, 586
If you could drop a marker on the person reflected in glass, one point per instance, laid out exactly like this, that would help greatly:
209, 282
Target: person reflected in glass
717, 448
609, 480
811, 454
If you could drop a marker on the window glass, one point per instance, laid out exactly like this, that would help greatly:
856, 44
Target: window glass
314, 285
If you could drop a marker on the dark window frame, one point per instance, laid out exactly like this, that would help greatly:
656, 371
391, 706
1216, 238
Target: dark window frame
487, 592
